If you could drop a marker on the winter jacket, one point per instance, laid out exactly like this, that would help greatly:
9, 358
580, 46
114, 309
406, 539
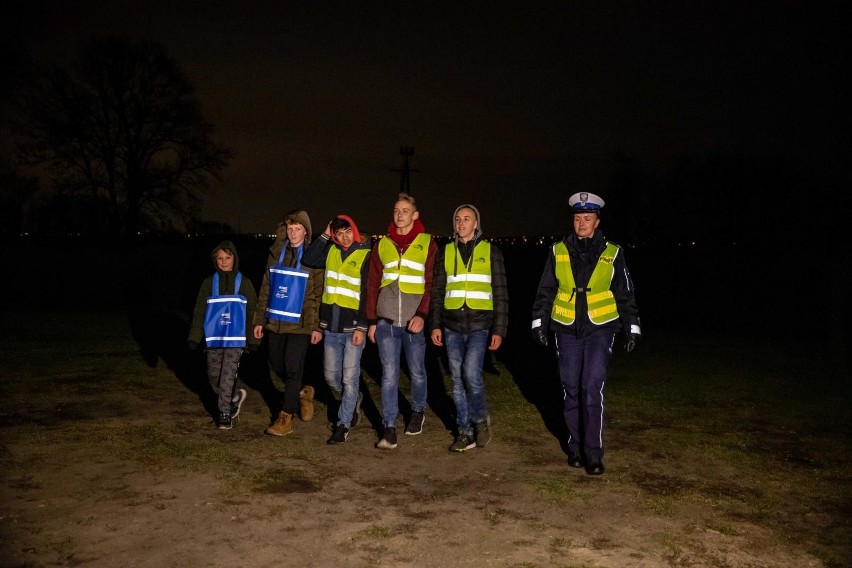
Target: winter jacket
584, 254
390, 302
310, 308
226, 286
464, 319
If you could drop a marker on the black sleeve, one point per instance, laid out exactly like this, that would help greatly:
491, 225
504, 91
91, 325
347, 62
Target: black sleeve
547, 287
439, 286
317, 252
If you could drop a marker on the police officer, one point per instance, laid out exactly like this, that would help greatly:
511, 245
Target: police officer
584, 296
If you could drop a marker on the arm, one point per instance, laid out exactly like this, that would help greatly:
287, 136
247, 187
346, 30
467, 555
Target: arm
247, 290
196, 328
436, 306
317, 253
625, 296
501, 293
547, 287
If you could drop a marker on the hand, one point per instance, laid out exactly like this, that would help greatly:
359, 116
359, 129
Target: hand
632, 342
358, 337
258, 332
495, 343
193, 345
539, 336
415, 324
371, 333
316, 337
437, 338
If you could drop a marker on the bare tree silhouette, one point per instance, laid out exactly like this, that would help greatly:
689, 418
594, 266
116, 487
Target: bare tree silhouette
124, 133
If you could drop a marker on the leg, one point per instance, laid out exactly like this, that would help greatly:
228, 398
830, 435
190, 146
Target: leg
332, 364
295, 349
389, 342
275, 359
351, 380
477, 343
597, 352
414, 345
455, 343
569, 353
228, 378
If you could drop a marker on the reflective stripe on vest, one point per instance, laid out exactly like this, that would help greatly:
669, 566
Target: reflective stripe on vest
471, 287
410, 268
599, 298
343, 279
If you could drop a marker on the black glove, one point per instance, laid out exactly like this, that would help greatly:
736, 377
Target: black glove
539, 336
632, 342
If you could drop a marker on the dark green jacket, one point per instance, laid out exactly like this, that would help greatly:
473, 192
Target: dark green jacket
226, 286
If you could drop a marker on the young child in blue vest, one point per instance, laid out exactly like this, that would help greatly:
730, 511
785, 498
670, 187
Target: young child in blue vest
346, 261
223, 354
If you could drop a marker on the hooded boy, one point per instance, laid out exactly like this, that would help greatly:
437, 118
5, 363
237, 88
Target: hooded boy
223, 361
346, 261
287, 312
469, 313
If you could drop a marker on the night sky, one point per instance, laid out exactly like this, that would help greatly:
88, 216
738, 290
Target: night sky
510, 106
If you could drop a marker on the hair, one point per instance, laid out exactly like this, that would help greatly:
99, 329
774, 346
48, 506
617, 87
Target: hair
291, 218
338, 224
403, 196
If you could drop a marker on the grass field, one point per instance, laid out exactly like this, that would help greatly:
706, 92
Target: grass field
744, 443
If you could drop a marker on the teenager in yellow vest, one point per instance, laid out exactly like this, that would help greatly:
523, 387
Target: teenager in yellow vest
346, 260
397, 307
585, 296
469, 313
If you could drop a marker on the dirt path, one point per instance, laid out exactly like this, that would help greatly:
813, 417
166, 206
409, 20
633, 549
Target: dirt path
112, 463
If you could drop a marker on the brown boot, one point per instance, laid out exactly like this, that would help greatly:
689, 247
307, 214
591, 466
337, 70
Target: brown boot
282, 426
306, 403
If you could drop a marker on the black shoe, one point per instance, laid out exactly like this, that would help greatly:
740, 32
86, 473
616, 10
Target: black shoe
595, 466
225, 421
237, 403
574, 459
415, 425
340, 435
388, 441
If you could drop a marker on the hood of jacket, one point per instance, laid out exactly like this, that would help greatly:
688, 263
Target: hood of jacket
477, 233
407, 239
299, 216
356, 236
229, 247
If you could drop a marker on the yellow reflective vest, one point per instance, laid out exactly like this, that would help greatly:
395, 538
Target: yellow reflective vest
599, 298
409, 269
472, 284
343, 279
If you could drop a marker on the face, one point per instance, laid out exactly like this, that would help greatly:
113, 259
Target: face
404, 215
465, 222
585, 224
224, 260
295, 234
344, 237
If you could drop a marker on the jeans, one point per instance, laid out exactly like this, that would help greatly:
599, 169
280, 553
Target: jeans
390, 339
466, 353
342, 368
583, 363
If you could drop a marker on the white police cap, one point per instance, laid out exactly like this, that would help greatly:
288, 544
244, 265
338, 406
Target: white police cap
585, 202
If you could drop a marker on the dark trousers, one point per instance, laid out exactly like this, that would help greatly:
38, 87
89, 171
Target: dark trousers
287, 353
583, 363
223, 364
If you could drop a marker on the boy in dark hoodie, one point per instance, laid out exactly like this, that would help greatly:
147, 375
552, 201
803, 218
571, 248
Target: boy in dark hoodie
397, 307
223, 354
469, 314
346, 261
289, 331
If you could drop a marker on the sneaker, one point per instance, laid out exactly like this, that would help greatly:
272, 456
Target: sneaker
482, 432
356, 416
388, 441
415, 425
463, 442
340, 435
237, 403
225, 421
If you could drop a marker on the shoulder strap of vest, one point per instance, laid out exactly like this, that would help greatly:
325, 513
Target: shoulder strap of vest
215, 283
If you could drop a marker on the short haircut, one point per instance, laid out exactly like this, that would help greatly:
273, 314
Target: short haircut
339, 224
403, 196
